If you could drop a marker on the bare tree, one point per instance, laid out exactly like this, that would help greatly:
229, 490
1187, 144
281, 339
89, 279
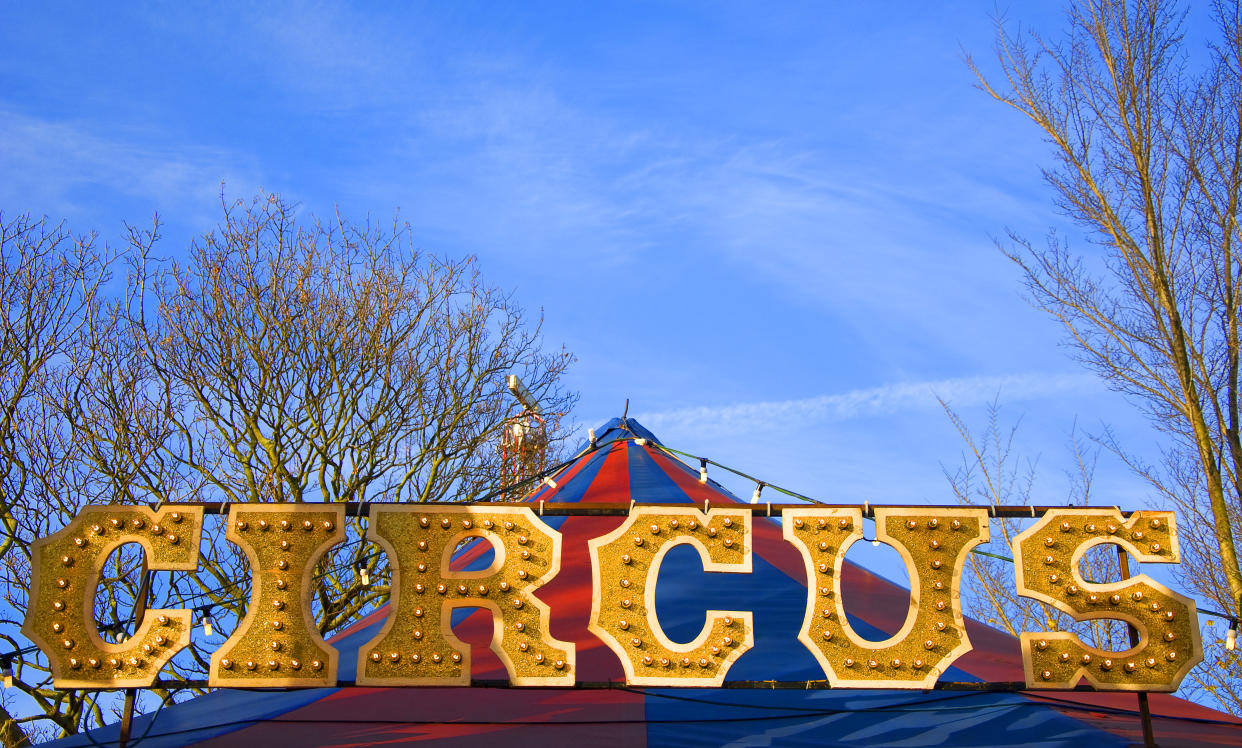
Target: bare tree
1147, 162
283, 360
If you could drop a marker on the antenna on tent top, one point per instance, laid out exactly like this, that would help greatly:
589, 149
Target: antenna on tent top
523, 442
626, 412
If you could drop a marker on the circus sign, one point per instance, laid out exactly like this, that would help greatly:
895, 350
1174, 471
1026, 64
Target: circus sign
276, 643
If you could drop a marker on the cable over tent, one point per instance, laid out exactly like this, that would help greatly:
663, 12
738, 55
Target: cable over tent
630, 465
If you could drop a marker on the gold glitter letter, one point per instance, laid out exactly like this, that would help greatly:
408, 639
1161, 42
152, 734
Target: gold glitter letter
625, 567
417, 645
1046, 558
277, 644
60, 616
934, 544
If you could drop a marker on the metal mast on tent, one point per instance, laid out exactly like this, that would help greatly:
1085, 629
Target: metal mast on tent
523, 442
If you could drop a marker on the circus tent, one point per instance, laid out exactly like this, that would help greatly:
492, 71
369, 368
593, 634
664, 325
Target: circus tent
629, 464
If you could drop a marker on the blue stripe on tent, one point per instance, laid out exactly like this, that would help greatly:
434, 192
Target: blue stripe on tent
707, 717
348, 646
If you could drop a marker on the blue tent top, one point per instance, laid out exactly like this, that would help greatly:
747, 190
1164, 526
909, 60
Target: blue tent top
619, 428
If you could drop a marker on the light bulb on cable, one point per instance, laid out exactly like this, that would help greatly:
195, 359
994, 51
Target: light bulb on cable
6, 672
1231, 637
364, 575
208, 624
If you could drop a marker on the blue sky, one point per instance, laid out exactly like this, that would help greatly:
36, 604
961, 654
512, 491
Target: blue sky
769, 226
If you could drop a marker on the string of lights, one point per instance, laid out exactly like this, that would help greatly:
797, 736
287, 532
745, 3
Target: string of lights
1231, 636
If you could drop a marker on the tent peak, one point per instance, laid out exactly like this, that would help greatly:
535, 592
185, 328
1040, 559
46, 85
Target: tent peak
616, 429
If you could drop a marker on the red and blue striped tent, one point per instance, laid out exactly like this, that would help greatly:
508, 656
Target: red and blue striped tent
629, 464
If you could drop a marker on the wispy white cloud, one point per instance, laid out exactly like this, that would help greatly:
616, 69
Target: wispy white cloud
875, 401
57, 165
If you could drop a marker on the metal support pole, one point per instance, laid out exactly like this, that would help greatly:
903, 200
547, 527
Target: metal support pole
140, 610
1149, 738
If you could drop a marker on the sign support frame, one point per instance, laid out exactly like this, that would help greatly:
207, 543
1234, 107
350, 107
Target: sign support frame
140, 610
1149, 738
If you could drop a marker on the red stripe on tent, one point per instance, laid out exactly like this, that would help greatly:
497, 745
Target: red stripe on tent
1166, 728
996, 655
569, 595
1163, 706
1161, 703
612, 482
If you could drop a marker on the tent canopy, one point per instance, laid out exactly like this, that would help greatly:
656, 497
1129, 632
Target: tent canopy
629, 464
